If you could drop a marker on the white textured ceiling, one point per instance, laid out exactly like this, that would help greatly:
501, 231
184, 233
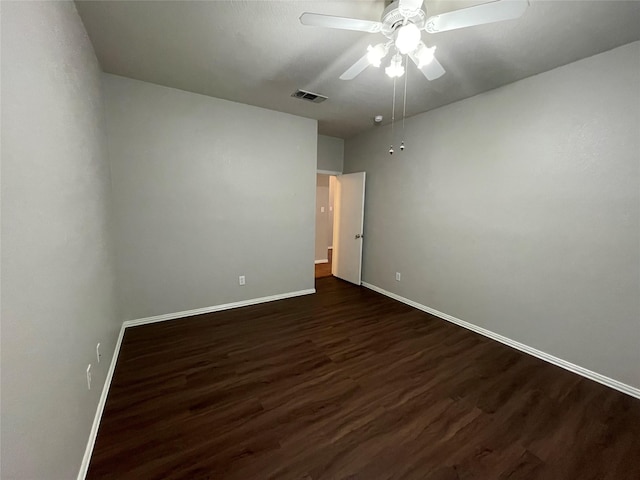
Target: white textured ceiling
258, 53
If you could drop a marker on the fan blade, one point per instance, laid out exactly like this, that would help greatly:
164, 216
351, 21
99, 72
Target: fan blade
408, 8
343, 23
432, 70
477, 15
356, 69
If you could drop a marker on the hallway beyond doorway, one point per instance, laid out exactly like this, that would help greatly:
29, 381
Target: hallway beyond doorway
324, 269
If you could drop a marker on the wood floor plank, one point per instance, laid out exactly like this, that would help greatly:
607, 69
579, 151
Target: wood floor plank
350, 384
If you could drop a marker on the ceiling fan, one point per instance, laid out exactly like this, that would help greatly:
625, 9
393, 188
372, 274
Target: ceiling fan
402, 22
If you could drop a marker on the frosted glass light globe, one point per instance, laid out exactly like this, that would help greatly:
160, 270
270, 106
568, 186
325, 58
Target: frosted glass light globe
395, 68
424, 54
376, 54
407, 38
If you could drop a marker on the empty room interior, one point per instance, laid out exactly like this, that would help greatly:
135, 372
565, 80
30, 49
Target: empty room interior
315, 240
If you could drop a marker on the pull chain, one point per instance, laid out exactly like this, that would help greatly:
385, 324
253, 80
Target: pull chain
404, 107
393, 115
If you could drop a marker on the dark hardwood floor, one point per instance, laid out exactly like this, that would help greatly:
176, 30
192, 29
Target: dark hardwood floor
350, 384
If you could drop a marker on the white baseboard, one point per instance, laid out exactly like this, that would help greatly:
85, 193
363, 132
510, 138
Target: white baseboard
84, 466
216, 308
324, 260
604, 380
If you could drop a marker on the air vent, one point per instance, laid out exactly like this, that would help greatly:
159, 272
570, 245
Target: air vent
309, 96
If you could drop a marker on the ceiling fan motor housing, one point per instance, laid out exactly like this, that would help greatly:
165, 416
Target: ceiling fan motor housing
392, 19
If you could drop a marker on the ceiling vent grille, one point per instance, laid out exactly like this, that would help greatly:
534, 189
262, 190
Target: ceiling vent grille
309, 96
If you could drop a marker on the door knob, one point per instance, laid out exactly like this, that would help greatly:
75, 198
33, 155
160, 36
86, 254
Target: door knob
359, 235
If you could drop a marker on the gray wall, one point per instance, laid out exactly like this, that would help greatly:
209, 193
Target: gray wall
206, 190
330, 153
322, 218
58, 293
518, 211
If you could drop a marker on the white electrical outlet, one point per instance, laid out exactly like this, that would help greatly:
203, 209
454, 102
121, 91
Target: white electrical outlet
321, 209
241, 280
98, 352
89, 377
398, 276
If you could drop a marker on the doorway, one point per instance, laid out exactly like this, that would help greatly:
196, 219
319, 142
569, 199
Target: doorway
325, 188
339, 225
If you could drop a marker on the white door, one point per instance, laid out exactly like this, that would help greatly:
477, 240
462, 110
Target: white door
348, 223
